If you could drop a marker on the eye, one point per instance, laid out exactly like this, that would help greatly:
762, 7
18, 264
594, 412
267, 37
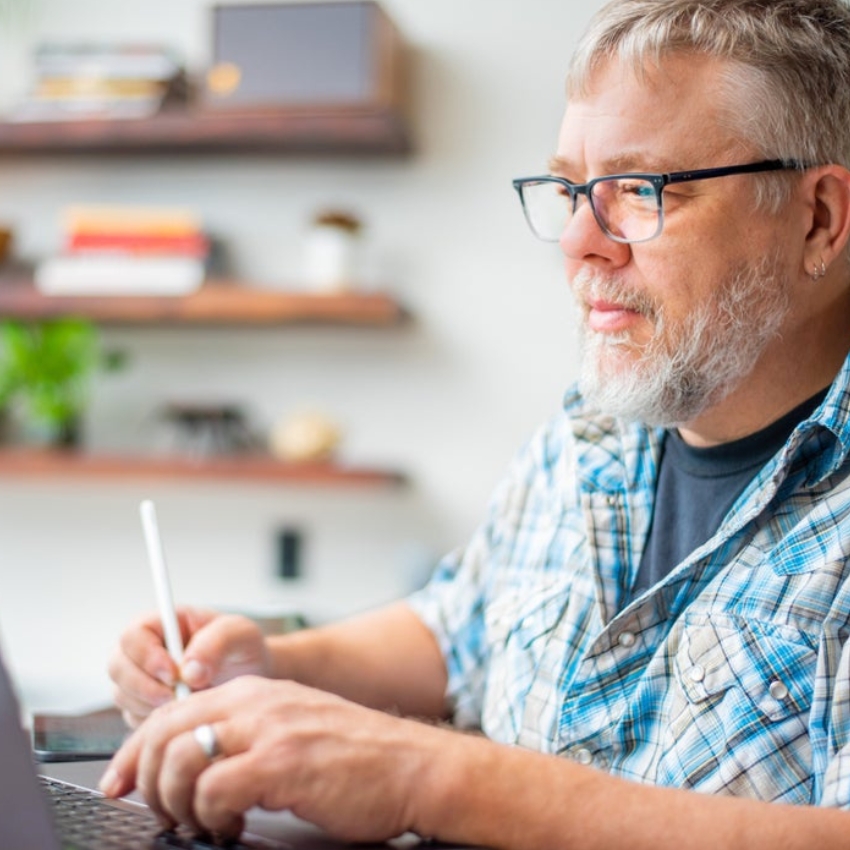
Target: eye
638, 189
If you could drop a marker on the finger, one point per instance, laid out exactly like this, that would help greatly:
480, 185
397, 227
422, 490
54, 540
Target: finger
141, 667
141, 662
226, 647
140, 707
157, 732
192, 619
144, 642
224, 792
237, 781
183, 763
119, 778
139, 762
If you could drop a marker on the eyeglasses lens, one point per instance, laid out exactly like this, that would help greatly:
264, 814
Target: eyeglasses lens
627, 209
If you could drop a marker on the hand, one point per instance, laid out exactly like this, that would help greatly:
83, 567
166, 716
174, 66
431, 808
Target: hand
349, 769
218, 648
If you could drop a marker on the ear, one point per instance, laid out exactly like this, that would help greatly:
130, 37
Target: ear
827, 193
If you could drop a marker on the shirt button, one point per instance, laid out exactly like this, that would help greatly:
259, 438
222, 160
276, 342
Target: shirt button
584, 756
626, 639
697, 673
778, 690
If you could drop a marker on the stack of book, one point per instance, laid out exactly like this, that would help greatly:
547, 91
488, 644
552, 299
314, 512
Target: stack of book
99, 81
124, 250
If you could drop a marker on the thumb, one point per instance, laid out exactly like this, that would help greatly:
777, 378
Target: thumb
195, 673
201, 657
221, 649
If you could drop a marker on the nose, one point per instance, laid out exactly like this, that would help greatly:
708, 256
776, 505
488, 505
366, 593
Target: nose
584, 240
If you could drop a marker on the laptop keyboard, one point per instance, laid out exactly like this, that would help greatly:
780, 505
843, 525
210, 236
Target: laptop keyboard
87, 821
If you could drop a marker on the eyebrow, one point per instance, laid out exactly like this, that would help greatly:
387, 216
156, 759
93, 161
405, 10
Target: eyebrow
622, 163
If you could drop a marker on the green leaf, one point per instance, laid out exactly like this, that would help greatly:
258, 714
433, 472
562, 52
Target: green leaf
47, 367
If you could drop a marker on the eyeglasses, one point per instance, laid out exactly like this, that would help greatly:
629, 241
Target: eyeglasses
628, 207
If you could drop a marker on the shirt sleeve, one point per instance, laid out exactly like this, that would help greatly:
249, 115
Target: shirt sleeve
454, 602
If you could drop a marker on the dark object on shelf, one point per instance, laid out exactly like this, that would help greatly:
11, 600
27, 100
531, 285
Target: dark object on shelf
202, 430
302, 54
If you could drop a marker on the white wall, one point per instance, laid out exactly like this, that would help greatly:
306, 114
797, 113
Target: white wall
447, 399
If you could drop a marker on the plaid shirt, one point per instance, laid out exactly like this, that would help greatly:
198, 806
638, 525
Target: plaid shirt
730, 676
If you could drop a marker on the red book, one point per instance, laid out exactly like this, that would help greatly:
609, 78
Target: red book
186, 245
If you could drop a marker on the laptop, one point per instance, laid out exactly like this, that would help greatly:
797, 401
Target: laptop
56, 807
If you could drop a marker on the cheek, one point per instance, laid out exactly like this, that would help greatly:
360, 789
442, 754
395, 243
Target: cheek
675, 280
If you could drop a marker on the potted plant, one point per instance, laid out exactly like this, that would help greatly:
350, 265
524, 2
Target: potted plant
45, 374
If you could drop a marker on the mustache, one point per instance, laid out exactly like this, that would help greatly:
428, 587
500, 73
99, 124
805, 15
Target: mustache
589, 285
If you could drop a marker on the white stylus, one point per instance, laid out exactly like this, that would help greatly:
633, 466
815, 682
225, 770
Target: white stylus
162, 587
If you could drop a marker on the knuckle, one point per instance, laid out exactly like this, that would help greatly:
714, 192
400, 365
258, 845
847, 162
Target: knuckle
181, 755
158, 726
247, 685
206, 793
164, 712
214, 786
226, 622
210, 807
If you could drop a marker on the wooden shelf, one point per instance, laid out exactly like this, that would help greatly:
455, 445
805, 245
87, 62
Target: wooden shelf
36, 463
374, 124
353, 130
217, 302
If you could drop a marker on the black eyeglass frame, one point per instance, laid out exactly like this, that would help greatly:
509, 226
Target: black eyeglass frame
658, 182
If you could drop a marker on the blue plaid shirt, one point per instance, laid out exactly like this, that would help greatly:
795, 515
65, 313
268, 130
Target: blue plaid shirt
730, 676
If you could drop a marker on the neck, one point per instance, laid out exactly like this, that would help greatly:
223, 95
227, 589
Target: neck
800, 362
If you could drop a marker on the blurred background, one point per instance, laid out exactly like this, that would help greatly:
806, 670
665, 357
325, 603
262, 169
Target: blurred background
441, 399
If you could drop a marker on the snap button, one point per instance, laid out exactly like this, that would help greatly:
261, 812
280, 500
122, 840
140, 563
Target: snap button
626, 639
697, 673
584, 756
611, 501
778, 690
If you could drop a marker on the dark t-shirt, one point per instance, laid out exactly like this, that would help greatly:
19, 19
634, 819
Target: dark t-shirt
697, 487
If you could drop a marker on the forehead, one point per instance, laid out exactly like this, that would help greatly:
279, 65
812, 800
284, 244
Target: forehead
674, 116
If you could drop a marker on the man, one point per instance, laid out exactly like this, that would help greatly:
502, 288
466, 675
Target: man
659, 601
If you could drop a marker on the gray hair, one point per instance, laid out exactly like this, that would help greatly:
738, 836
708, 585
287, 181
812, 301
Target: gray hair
788, 74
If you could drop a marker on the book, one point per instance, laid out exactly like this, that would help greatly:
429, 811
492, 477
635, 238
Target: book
131, 220
126, 250
117, 274
114, 61
71, 88
84, 109
185, 245
91, 81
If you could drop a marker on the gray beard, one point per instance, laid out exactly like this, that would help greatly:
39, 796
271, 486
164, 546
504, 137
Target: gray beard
683, 370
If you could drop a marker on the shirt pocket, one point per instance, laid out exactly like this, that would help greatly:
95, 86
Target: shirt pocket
738, 709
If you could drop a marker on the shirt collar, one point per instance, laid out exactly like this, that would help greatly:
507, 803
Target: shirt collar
828, 426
